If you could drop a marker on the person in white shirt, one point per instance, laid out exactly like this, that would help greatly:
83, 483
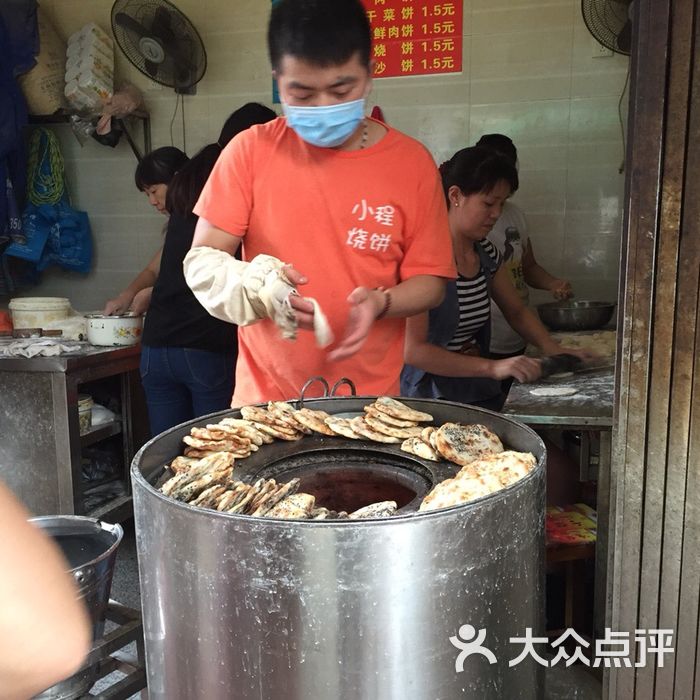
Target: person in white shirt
509, 235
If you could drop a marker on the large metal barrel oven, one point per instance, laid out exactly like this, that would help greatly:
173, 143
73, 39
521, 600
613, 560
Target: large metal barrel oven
245, 608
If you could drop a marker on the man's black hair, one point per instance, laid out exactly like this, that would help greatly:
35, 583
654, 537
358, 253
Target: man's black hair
501, 144
321, 32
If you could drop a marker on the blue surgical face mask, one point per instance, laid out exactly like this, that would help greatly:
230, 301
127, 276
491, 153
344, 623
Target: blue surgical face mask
326, 127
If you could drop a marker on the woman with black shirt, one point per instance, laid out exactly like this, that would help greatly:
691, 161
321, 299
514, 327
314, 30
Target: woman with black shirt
188, 357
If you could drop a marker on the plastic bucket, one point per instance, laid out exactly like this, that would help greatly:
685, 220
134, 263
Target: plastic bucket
36, 312
90, 546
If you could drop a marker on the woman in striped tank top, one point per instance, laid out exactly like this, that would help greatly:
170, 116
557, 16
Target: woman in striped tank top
447, 349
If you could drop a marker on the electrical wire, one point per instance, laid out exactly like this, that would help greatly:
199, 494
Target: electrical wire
184, 138
172, 120
621, 169
179, 104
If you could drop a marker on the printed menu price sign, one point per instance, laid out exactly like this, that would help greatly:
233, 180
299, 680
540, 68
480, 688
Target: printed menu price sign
415, 37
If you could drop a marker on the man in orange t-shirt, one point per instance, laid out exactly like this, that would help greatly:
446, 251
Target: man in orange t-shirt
354, 207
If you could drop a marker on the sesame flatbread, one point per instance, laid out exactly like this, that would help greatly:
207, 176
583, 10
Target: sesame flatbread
453, 492
419, 448
271, 499
199, 454
245, 428
226, 435
382, 509
217, 445
182, 464
281, 407
359, 426
191, 490
463, 444
342, 427
214, 433
295, 507
259, 416
284, 413
227, 499
313, 420
279, 432
508, 466
391, 430
172, 484
372, 410
209, 496
400, 410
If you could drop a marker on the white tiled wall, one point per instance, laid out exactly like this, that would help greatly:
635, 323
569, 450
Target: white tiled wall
528, 72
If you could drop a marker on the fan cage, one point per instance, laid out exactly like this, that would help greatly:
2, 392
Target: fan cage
605, 20
181, 70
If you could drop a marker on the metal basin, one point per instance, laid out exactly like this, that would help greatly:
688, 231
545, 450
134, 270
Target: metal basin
90, 547
575, 315
259, 609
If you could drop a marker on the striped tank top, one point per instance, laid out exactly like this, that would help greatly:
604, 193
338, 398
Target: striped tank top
474, 302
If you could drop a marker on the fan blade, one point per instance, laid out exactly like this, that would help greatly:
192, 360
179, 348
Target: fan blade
163, 44
179, 51
130, 24
162, 27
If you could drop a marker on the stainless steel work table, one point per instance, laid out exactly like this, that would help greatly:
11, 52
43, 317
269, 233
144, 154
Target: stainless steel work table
589, 411
40, 441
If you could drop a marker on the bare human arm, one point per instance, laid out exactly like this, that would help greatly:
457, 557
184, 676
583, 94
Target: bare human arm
536, 276
141, 301
127, 300
44, 628
408, 297
206, 234
523, 320
446, 363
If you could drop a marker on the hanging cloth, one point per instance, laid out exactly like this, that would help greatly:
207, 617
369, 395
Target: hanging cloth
19, 41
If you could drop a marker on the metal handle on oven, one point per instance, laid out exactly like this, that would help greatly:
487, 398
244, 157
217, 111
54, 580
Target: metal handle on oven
340, 382
310, 382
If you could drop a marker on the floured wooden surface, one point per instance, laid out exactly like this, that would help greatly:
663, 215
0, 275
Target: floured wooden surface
592, 404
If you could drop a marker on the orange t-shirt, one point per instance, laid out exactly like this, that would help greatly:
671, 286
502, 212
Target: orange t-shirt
344, 219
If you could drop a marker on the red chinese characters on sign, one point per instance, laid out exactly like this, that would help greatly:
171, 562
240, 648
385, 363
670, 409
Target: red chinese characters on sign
415, 37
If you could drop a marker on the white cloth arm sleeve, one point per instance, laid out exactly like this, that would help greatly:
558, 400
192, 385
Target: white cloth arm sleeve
245, 292
226, 287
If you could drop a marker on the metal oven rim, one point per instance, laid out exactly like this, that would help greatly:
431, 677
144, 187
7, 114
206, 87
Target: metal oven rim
348, 404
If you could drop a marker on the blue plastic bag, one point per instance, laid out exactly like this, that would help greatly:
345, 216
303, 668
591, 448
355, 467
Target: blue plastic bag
69, 243
36, 228
56, 234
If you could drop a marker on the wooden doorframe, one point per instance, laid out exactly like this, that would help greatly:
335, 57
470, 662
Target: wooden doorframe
654, 560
